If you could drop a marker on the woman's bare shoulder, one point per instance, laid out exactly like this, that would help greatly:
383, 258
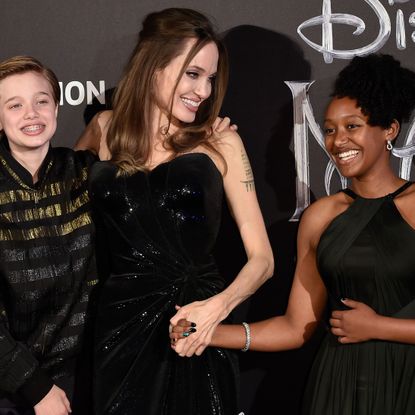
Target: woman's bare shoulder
321, 213
103, 118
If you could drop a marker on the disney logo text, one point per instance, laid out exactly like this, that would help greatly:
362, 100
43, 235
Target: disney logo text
327, 19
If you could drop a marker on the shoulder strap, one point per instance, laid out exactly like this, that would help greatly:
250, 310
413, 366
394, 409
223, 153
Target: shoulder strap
350, 192
353, 195
400, 190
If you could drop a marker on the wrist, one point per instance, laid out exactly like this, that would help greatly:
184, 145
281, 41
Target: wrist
382, 328
247, 337
222, 302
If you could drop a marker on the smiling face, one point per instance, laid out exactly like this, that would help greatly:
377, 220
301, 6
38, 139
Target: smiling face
27, 112
357, 148
194, 86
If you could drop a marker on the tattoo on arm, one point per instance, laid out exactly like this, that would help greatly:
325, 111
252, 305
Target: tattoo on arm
249, 177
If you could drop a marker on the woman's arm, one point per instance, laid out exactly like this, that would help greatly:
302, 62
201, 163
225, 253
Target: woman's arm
242, 201
306, 303
94, 137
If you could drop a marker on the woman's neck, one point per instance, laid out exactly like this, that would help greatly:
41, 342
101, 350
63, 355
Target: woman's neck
376, 186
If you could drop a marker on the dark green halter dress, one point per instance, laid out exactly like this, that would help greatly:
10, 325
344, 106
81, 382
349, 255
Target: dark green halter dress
367, 254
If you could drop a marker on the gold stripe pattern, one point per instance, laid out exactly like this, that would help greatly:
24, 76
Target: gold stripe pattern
48, 212
46, 231
29, 194
11, 218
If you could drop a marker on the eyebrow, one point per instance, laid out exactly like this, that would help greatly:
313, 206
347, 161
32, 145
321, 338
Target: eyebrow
346, 116
16, 96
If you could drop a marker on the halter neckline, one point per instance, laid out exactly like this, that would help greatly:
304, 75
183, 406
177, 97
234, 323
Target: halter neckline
392, 195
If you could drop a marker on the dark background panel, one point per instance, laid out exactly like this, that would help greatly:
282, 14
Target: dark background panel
87, 44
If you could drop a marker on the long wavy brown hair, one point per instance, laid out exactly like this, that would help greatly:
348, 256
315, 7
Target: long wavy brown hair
163, 37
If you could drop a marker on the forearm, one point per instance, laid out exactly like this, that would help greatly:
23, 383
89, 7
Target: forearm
394, 329
255, 272
274, 334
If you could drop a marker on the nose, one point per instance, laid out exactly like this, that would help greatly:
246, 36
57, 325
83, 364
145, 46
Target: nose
203, 89
341, 138
31, 112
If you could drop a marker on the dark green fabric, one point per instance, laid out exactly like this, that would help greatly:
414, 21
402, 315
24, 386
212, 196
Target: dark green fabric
366, 254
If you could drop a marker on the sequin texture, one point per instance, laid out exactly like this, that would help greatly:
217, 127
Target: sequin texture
159, 230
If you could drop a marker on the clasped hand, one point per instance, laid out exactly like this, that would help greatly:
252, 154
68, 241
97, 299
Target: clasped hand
358, 324
205, 316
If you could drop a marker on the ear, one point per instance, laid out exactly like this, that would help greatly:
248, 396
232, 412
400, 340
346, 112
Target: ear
56, 110
393, 130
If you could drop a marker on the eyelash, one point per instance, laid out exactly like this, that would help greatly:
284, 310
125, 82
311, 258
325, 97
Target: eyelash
192, 74
328, 131
195, 75
40, 102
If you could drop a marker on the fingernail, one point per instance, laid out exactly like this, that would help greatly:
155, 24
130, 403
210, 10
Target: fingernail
185, 334
192, 330
342, 299
193, 324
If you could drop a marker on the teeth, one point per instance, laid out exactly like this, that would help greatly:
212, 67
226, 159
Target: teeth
347, 154
32, 128
191, 102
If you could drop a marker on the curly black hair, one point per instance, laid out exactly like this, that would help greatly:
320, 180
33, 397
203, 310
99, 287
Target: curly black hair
383, 89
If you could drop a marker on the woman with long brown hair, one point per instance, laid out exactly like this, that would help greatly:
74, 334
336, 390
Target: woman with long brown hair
157, 205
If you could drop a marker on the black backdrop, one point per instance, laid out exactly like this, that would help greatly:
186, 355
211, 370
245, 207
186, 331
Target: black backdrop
277, 48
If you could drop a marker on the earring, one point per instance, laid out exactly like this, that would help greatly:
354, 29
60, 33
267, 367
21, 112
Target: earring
389, 145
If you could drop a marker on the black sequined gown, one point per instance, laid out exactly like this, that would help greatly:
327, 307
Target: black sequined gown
367, 254
155, 232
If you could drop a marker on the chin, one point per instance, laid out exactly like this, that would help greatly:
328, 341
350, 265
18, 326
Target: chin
183, 115
349, 174
187, 119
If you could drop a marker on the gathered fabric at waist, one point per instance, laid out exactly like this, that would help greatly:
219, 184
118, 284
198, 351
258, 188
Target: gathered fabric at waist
147, 298
182, 281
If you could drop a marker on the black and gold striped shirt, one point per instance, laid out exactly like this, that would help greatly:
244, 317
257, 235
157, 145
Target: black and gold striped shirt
47, 269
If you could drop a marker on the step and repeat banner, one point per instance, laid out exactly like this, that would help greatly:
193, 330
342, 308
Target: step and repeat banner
284, 55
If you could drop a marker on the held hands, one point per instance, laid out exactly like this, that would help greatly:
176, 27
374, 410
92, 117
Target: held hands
54, 403
182, 330
355, 325
205, 315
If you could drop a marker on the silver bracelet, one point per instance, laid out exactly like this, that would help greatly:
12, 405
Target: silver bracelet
248, 337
